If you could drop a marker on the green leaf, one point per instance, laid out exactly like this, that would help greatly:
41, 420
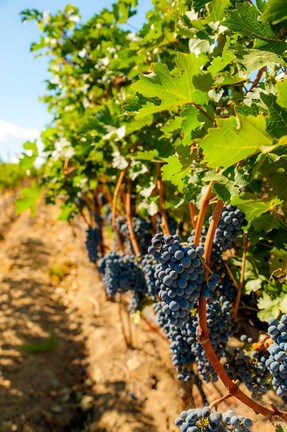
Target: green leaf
255, 59
172, 167
282, 93
277, 119
270, 308
174, 171
220, 62
280, 428
171, 90
278, 259
27, 160
253, 207
235, 139
224, 188
216, 10
244, 20
265, 223
146, 155
28, 199
68, 211
190, 123
276, 171
275, 11
171, 126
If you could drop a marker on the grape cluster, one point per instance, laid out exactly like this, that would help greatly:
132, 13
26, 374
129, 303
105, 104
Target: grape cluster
142, 229
220, 326
229, 227
98, 219
148, 267
102, 199
224, 286
277, 360
182, 339
185, 347
93, 239
121, 273
202, 239
209, 289
203, 420
180, 276
249, 366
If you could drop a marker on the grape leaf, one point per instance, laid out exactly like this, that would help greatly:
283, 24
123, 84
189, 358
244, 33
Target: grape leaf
174, 171
253, 285
244, 19
277, 119
280, 428
216, 10
148, 155
275, 11
28, 199
276, 171
282, 93
235, 139
190, 123
270, 308
254, 59
224, 188
266, 223
172, 90
220, 62
278, 259
253, 207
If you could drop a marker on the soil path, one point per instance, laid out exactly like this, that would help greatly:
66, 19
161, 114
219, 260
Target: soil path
64, 365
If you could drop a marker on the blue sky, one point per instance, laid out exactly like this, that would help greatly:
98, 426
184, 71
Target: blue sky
22, 115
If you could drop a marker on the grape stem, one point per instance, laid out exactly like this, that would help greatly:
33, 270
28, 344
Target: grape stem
160, 188
203, 338
127, 343
231, 275
100, 227
241, 281
83, 215
192, 214
218, 401
257, 79
114, 208
202, 213
129, 219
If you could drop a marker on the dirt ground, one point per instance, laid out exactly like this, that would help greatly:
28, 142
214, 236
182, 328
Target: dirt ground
64, 364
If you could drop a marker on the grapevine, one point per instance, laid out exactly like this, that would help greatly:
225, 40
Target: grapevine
178, 141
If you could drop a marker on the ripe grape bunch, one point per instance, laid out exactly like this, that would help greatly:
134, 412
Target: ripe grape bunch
148, 266
142, 230
249, 366
203, 420
121, 273
93, 240
181, 339
229, 227
220, 325
180, 276
277, 361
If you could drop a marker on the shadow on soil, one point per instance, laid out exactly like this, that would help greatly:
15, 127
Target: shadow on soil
43, 362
